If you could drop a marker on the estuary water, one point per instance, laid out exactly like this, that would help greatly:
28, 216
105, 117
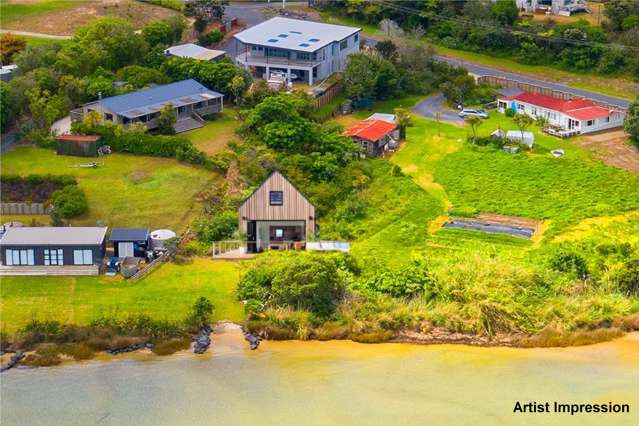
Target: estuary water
326, 383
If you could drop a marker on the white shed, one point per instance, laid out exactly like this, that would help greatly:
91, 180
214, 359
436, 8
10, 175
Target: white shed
525, 138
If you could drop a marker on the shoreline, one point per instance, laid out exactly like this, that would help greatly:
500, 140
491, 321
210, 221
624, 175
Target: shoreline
434, 337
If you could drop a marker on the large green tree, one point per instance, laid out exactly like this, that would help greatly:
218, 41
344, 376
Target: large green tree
370, 77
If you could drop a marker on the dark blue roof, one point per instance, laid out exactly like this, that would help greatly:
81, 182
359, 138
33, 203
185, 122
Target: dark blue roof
129, 234
151, 100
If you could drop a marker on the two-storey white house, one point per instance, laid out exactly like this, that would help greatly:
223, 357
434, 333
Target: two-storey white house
302, 50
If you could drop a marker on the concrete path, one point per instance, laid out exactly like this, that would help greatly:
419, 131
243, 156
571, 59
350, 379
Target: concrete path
436, 103
32, 34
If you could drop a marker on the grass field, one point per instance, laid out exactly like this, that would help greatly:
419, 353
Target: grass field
536, 185
127, 191
168, 293
216, 134
14, 10
35, 41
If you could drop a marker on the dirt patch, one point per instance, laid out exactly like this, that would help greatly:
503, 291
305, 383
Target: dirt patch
67, 21
138, 176
524, 222
613, 149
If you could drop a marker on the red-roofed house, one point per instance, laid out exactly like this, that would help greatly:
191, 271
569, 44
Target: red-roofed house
579, 115
373, 136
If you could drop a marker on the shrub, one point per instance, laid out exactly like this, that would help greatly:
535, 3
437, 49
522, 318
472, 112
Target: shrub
218, 227
70, 202
210, 38
628, 277
569, 262
409, 280
301, 281
510, 112
200, 313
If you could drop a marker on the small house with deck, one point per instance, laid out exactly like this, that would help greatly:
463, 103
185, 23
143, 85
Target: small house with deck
129, 242
190, 99
70, 250
276, 216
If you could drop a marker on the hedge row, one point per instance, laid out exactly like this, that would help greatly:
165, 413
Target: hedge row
63, 180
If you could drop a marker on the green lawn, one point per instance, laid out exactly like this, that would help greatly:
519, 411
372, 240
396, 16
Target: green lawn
167, 293
127, 191
216, 134
537, 185
13, 10
35, 41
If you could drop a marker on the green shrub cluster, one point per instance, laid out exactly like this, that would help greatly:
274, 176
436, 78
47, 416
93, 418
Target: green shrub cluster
412, 279
210, 38
301, 281
70, 201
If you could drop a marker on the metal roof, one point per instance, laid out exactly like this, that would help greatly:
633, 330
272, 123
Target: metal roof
371, 130
295, 34
151, 100
54, 236
190, 50
129, 234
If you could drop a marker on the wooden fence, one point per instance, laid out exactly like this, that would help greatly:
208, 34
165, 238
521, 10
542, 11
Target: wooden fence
328, 94
506, 83
22, 208
148, 268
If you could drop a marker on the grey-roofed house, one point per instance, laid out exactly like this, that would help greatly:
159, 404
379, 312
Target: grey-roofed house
46, 250
129, 242
302, 50
190, 99
193, 51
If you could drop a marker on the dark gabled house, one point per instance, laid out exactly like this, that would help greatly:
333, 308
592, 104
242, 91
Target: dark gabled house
54, 247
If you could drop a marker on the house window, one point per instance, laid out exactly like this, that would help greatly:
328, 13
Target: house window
608, 119
19, 257
82, 257
343, 44
520, 107
53, 257
590, 123
108, 117
199, 104
276, 198
279, 233
356, 38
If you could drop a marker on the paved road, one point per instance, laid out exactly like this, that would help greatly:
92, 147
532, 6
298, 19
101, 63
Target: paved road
32, 34
435, 103
485, 70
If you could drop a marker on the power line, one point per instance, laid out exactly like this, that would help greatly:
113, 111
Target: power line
506, 29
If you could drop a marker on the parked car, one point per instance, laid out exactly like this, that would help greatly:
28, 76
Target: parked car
476, 112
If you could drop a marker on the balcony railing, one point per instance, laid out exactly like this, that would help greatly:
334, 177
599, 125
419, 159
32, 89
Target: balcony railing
250, 59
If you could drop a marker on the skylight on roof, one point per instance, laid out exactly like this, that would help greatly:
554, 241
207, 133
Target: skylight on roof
313, 40
304, 45
273, 40
282, 35
295, 32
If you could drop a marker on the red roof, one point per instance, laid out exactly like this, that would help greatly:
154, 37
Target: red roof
77, 138
580, 109
371, 130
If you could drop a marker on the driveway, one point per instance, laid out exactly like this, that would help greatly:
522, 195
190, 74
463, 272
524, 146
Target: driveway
436, 103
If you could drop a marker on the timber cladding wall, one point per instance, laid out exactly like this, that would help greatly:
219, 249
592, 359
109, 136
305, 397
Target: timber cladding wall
294, 205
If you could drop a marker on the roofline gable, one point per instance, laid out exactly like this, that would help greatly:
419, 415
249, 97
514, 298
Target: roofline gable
266, 180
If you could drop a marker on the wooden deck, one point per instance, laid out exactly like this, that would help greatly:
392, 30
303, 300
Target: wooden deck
37, 270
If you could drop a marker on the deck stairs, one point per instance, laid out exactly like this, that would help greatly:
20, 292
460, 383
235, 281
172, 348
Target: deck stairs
187, 123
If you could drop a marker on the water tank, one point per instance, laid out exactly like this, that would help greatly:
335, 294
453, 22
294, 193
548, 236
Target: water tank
159, 236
